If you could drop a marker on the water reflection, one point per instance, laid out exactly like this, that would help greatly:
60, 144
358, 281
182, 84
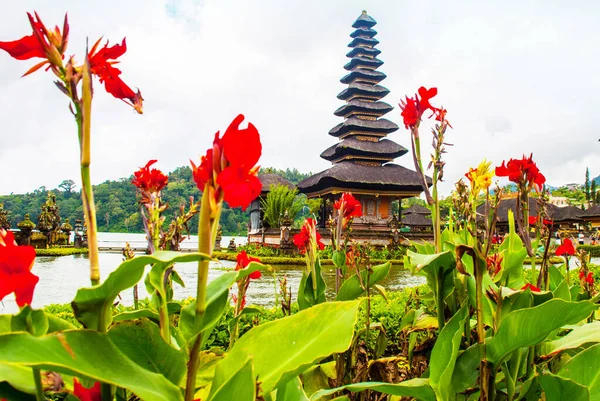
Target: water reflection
60, 277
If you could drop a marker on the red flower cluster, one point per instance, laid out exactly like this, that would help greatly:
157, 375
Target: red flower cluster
348, 207
243, 260
566, 248
150, 180
15, 269
307, 234
228, 170
42, 43
413, 108
532, 287
101, 65
51, 46
494, 264
589, 278
93, 393
523, 171
534, 219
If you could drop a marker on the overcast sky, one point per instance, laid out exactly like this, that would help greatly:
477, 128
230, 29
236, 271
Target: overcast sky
516, 77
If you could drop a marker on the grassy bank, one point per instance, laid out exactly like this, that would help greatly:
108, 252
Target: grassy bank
60, 251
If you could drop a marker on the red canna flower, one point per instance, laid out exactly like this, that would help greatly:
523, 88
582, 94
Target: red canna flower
566, 248
590, 278
532, 287
522, 171
150, 180
243, 260
228, 170
348, 207
494, 264
534, 219
15, 269
87, 394
102, 65
42, 43
413, 108
308, 234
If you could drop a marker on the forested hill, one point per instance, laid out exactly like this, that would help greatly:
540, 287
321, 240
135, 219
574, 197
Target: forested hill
117, 209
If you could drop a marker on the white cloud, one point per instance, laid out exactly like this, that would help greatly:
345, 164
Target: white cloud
516, 78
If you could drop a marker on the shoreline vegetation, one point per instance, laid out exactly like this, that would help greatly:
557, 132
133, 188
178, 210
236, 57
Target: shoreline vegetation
593, 250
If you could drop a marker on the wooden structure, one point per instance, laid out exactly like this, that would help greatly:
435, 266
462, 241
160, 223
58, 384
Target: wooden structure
592, 216
362, 159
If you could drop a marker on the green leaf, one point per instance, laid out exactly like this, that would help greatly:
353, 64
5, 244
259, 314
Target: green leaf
314, 378
284, 348
234, 385
217, 294
339, 259
19, 377
291, 391
583, 369
351, 288
416, 388
514, 256
93, 305
444, 354
57, 324
466, 369
558, 389
588, 333
562, 291
89, 354
306, 292
435, 267
137, 314
32, 321
549, 316
141, 342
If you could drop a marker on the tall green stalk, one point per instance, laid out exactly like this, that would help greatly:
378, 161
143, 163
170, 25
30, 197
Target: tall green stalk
84, 117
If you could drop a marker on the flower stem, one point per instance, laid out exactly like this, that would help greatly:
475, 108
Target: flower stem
164, 319
439, 302
39, 391
205, 237
89, 209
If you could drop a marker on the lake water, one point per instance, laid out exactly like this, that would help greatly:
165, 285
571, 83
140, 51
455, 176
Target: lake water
139, 240
60, 277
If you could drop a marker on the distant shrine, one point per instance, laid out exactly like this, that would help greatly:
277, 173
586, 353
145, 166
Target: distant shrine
362, 159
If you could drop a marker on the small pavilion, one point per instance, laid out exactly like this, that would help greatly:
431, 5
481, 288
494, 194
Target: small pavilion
362, 159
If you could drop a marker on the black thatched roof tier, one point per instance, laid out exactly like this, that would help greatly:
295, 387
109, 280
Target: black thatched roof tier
567, 213
389, 179
593, 211
363, 51
356, 106
363, 75
268, 179
416, 209
362, 31
358, 62
383, 150
554, 213
416, 220
380, 127
363, 91
364, 21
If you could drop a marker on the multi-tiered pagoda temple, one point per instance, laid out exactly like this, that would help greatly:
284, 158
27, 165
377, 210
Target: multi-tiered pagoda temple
362, 159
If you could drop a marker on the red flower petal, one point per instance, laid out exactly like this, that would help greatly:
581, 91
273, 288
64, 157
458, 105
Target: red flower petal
92, 394
239, 186
15, 269
23, 49
565, 248
151, 180
532, 287
241, 147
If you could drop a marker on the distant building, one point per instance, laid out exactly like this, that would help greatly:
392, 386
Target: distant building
559, 201
362, 159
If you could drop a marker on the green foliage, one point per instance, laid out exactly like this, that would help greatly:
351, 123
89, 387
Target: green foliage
592, 250
279, 200
60, 251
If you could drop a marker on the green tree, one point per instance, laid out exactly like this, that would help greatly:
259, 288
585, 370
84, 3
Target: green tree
279, 200
587, 184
